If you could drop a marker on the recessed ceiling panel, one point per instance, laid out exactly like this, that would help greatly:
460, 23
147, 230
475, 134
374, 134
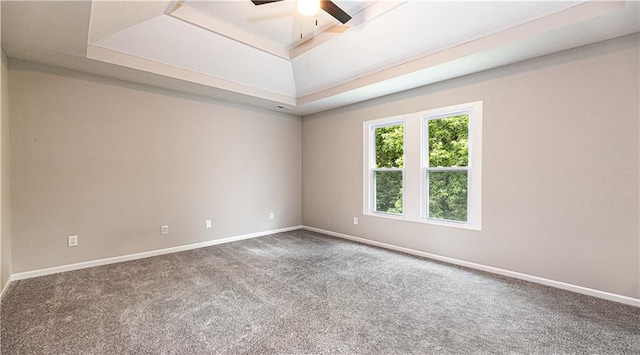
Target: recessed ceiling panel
408, 32
277, 22
170, 41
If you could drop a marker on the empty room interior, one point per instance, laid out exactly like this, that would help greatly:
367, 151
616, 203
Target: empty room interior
361, 177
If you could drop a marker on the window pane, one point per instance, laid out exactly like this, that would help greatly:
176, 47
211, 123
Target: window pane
449, 141
389, 147
448, 195
388, 185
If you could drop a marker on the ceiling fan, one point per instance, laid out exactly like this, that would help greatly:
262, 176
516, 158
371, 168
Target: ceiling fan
311, 7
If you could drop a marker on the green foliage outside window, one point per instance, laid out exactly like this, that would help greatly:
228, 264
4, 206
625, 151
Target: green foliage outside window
389, 148
448, 195
389, 191
448, 147
449, 141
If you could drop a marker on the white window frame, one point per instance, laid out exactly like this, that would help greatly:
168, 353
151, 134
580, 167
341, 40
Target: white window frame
415, 189
370, 158
473, 111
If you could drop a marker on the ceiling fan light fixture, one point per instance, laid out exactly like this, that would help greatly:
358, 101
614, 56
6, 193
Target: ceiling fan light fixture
308, 7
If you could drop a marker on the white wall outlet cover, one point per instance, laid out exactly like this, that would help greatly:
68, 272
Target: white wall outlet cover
208, 223
164, 229
271, 215
355, 220
72, 241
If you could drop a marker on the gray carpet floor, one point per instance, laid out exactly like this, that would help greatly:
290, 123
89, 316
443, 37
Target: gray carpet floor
302, 292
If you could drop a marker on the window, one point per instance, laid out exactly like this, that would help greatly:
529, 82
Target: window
446, 167
387, 167
426, 167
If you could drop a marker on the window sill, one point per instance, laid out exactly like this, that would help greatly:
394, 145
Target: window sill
424, 221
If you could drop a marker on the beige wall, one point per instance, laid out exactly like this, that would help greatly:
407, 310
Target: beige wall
112, 162
560, 168
5, 206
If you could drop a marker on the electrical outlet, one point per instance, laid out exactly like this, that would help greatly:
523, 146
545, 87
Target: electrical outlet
355, 220
72, 241
208, 223
271, 215
164, 229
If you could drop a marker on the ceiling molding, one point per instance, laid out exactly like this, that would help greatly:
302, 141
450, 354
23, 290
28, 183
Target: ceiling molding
130, 61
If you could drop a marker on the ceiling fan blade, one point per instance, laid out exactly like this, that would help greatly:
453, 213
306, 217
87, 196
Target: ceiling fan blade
259, 2
333, 10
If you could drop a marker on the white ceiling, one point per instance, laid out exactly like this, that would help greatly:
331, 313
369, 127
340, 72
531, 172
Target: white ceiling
278, 22
239, 52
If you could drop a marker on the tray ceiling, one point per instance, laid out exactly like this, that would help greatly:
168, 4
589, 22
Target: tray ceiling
236, 51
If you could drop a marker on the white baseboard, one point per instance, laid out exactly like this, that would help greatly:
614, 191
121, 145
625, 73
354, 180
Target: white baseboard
146, 254
557, 284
